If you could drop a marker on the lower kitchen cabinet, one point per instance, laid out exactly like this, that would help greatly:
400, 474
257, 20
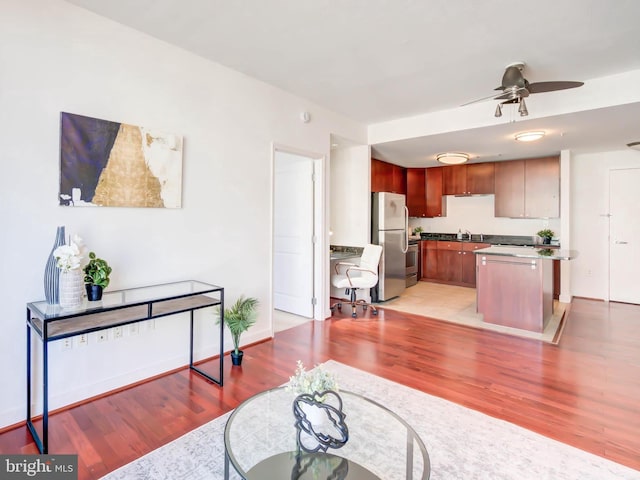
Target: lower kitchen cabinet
469, 262
456, 262
449, 262
428, 259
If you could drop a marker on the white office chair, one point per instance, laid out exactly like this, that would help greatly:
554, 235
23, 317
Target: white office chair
352, 277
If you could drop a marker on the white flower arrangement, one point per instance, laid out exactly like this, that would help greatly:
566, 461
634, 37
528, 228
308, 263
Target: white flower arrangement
72, 256
317, 380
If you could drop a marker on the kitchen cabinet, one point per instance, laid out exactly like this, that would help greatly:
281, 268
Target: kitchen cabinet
450, 262
435, 204
468, 179
428, 259
469, 262
416, 192
528, 188
525, 282
456, 262
386, 177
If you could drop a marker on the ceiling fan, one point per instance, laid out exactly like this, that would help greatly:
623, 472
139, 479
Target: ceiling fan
515, 88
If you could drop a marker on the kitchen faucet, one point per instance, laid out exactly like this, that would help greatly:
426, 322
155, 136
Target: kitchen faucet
468, 233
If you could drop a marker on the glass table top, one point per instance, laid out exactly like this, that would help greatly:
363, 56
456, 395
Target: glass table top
113, 299
260, 439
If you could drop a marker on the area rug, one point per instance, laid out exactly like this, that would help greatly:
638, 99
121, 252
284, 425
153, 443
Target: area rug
463, 444
458, 305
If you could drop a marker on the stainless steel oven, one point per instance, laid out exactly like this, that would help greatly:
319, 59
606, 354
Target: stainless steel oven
412, 261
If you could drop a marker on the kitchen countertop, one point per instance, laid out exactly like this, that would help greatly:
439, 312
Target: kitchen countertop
343, 255
510, 240
529, 252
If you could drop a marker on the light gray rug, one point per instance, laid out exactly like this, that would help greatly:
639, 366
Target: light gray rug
463, 444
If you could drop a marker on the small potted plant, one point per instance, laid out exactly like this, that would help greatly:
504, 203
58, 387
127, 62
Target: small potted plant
317, 380
546, 236
96, 277
314, 390
238, 319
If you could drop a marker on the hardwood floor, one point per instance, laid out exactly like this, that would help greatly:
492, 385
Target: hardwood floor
583, 392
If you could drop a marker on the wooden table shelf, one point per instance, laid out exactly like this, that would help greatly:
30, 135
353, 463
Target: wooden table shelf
117, 308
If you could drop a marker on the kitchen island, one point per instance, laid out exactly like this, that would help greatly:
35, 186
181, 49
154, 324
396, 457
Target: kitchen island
514, 285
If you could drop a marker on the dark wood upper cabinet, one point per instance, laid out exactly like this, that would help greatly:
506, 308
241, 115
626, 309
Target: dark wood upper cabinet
386, 177
480, 178
416, 192
509, 200
542, 187
528, 188
468, 179
454, 180
435, 204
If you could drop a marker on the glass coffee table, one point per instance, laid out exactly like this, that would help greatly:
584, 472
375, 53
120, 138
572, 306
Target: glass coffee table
260, 443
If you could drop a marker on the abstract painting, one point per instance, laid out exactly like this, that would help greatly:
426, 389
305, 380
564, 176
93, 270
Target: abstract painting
110, 164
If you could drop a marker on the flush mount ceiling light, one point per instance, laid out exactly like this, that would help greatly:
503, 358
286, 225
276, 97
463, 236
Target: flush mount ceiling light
529, 136
452, 158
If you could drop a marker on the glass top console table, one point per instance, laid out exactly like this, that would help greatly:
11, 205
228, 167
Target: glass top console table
117, 308
261, 442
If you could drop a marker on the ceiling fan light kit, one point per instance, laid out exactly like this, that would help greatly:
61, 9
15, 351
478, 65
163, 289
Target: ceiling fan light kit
522, 108
450, 158
529, 136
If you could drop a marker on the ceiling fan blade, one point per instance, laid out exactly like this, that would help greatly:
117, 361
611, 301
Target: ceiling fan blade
541, 87
478, 100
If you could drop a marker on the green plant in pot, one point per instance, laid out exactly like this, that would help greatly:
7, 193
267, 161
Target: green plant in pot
546, 235
96, 277
238, 318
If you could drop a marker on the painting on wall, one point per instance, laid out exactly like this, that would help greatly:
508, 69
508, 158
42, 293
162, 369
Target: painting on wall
110, 164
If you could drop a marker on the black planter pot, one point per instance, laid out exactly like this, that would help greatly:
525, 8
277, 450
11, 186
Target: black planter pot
236, 358
94, 292
546, 241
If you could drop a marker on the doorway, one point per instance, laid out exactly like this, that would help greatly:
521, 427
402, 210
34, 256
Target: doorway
624, 235
295, 242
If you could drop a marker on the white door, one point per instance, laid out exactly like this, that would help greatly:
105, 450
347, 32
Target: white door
293, 234
624, 235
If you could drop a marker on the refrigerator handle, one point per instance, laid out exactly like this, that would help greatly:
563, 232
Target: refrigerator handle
405, 248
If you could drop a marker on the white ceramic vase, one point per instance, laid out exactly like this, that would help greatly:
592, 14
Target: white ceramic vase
71, 288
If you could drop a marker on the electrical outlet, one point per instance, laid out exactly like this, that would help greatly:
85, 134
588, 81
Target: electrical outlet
117, 332
67, 343
102, 336
82, 340
134, 329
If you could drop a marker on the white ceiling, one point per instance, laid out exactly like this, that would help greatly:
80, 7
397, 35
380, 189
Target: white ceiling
381, 60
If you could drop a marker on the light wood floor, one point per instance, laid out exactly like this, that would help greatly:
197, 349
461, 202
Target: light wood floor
583, 392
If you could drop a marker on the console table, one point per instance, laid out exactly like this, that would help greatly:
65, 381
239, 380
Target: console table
117, 308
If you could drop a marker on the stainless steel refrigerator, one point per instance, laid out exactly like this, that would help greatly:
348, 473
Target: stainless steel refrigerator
389, 228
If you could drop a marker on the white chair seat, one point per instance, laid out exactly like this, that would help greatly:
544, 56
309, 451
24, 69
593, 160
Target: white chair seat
342, 281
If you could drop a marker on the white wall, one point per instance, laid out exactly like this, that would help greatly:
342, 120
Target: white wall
57, 57
590, 223
476, 214
350, 196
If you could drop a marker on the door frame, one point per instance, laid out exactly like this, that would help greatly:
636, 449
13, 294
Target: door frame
320, 231
609, 239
